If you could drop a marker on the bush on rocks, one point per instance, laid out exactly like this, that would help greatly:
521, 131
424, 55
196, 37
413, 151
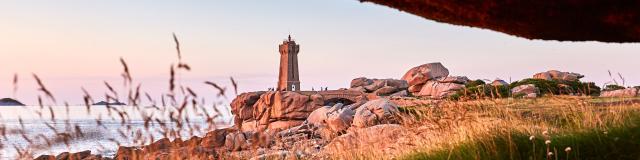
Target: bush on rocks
475, 83
482, 91
612, 87
561, 87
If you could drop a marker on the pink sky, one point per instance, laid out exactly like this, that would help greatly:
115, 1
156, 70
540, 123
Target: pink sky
78, 43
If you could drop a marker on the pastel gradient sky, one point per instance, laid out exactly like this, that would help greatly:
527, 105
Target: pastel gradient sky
76, 43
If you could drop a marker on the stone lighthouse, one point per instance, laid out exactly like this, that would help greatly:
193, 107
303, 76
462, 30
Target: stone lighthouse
289, 80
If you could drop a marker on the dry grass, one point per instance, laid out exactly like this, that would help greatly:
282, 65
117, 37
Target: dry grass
500, 128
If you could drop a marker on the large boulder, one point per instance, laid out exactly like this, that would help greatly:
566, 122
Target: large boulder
242, 106
454, 79
381, 87
415, 88
386, 90
437, 90
374, 86
417, 76
558, 75
283, 109
318, 116
375, 112
214, 139
527, 91
340, 119
361, 81
627, 92
335, 118
236, 141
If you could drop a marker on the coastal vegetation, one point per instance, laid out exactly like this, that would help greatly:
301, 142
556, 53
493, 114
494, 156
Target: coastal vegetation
552, 127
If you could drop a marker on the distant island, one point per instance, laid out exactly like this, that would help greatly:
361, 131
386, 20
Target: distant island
10, 102
103, 103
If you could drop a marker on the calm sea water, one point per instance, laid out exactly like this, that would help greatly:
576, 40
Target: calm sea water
102, 139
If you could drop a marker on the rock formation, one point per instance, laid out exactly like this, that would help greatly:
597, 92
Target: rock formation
526, 91
282, 110
627, 92
563, 20
375, 112
83, 155
279, 110
419, 75
10, 102
432, 80
558, 75
439, 90
242, 106
380, 87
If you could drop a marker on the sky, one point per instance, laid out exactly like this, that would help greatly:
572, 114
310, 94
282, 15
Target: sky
74, 44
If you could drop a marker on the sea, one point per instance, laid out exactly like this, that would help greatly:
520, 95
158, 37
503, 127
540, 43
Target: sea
33, 130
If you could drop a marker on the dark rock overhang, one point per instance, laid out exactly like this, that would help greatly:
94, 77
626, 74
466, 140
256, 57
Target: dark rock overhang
562, 20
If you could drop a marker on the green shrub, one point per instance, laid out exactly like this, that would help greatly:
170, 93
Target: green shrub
474, 83
545, 86
612, 87
559, 87
478, 89
483, 91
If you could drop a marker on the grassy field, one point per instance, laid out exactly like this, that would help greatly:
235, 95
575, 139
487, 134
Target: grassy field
544, 128
557, 127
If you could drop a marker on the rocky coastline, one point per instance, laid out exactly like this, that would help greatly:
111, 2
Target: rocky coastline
306, 124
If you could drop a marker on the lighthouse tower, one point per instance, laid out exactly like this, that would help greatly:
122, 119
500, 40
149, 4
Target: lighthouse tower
288, 80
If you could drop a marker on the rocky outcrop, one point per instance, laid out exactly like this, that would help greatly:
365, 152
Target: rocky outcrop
627, 92
83, 155
563, 20
242, 106
419, 75
340, 118
438, 90
380, 87
499, 82
10, 102
454, 79
282, 110
215, 139
526, 91
431, 80
329, 121
558, 75
375, 112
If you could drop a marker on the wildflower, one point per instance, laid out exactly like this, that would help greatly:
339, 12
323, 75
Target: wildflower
547, 142
532, 138
605, 132
545, 133
568, 149
550, 154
